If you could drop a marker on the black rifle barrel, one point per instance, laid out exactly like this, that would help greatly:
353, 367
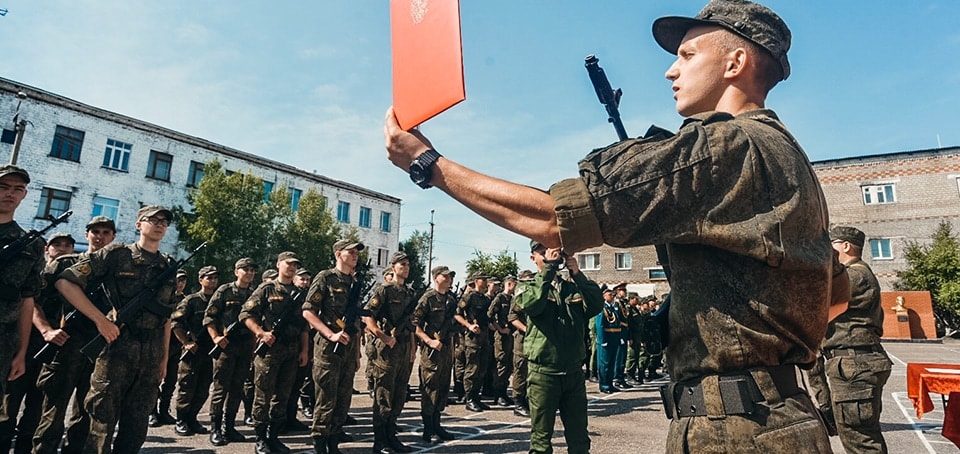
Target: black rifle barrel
609, 97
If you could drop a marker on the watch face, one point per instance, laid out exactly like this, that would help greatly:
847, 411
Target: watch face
416, 172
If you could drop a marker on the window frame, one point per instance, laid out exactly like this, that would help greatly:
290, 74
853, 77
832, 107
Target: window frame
47, 197
96, 204
295, 195
117, 152
656, 274
343, 212
65, 144
155, 157
881, 242
617, 256
366, 213
871, 192
195, 168
385, 221
582, 262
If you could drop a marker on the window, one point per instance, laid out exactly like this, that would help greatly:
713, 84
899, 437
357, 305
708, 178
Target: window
295, 198
343, 212
624, 260
103, 206
117, 155
267, 189
656, 274
384, 221
365, 214
878, 194
159, 165
53, 202
195, 175
67, 144
880, 249
382, 257
589, 261
8, 136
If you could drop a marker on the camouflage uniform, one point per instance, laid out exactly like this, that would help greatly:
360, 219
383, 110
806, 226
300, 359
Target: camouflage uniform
333, 372
634, 366
499, 313
473, 307
856, 365
68, 373
196, 369
431, 315
126, 376
20, 278
391, 305
275, 371
233, 365
519, 360
558, 313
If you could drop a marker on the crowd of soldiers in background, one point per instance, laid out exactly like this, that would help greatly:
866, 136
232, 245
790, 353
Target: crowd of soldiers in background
486, 364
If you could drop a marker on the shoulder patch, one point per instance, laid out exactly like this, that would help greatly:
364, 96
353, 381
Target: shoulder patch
249, 305
83, 268
213, 310
374, 302
316, 297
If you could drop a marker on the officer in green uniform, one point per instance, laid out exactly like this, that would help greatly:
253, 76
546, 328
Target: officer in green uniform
126, 376
609, 340
196, 368
435, 325
855, 364
231, 367
518, 320
334, 366
472, 315
68, 374
499, 314
390, 310
557, 312
747, 244
272, 315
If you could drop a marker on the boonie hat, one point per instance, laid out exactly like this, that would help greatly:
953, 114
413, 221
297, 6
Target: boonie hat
755, 22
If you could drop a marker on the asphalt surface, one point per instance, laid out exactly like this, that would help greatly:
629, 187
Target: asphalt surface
630, 421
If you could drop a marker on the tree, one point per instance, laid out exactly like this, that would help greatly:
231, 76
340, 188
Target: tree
417, 248
501, 265
311, 233
936, 269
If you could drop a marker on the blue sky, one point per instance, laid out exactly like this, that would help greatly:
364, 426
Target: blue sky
307, 83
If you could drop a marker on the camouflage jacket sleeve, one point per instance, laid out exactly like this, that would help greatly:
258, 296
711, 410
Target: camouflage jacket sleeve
253, 308
215, 307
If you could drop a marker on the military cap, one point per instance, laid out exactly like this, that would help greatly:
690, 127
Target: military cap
526, 275
10, 169
287, 256
61, 235
208, 270
102, 220
605, 289
495, 280
444, 270
754, 22
243, 263
153, 210
622, 285
347, 243
397, 257
510, 279
269, 274
851, 235
534, 245
303, 271
477, 275
181, 274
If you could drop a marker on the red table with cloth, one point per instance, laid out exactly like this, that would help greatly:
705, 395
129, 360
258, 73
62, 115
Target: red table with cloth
926, 378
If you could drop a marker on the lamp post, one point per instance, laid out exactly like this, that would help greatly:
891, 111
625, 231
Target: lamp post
20, 126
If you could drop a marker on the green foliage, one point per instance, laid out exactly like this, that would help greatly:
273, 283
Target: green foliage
936, 269
501, 265
229, 212
417, 248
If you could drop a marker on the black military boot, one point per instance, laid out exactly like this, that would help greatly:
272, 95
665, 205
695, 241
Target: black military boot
217, 437
230, 429
163, 413
429, 434
380, 444
320, 445
395, 442
274, 443
439, 430
183, 427
195, 425
261, 432
473, 405
521, 408
154, 419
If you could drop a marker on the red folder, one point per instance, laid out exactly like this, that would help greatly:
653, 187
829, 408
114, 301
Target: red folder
427, 59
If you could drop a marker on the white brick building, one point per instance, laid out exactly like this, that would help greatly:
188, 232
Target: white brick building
93, 161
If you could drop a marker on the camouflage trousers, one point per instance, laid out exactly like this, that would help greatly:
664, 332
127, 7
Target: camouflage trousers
476, 362
777, 424
123, 390
636, 362
503, 360
435, 375
68, 373
23, 391
169, 382
548, 393
333, 375
193, 383
273, 377
519, 367
229, 373
391, 374
855, 392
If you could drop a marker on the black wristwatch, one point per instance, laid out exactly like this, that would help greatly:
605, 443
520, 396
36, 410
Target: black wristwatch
421, 169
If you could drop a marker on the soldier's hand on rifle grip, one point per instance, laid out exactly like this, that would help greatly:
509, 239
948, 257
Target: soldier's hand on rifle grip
571, 264
108, 330
434, 344
56, 337
221, 341
389, 340
340, 337
267, 337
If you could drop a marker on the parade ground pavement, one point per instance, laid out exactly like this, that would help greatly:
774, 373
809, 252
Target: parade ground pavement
630, 421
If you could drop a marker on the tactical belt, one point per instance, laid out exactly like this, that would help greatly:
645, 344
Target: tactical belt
852, 351
739, 393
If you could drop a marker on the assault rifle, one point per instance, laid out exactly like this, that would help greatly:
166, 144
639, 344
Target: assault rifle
353, 312
11, 250
449, 326
298, 296
217, 350
144, 299
99, 299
